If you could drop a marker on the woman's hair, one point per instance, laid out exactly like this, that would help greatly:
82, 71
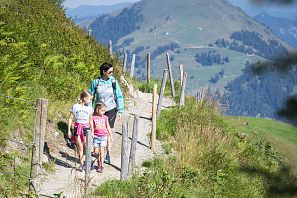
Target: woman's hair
98, 105
83, 94
105, 67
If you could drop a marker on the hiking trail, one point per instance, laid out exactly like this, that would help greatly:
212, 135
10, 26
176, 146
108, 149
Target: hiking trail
69, 182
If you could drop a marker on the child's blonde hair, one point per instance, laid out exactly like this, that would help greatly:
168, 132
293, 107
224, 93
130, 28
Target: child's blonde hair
82, 95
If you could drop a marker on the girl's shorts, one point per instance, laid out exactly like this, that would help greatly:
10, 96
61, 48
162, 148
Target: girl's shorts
100, 141
82, 136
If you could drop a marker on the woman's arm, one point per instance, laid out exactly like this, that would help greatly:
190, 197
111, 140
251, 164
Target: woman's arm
108, 129
70, 120
120, 98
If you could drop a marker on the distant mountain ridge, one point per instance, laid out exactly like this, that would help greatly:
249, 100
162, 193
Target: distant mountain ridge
87, 11
285, 29
185, 29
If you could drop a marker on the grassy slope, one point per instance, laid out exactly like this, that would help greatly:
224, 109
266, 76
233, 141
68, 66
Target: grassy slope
282, 136
210, 159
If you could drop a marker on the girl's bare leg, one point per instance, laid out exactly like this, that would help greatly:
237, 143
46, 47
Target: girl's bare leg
101, 158
80, 150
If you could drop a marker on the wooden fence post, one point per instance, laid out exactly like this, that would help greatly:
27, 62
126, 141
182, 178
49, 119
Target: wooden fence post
89, 145
124, 154
170, 75
38, 141
110, 48
164, 79
90, 32
182, 92
133, 144
154, 119
132, 66
181, 74
148, 67
125, 63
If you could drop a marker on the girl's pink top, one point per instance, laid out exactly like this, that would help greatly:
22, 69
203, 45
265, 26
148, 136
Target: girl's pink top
100, 124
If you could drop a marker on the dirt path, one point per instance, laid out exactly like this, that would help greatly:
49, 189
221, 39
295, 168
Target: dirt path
70, 182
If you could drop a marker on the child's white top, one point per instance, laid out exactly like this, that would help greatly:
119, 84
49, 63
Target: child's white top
81, 113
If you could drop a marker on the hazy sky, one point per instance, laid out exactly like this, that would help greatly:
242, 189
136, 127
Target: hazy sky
288, 11
76, 3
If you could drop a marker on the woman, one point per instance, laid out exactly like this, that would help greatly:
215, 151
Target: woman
106, 90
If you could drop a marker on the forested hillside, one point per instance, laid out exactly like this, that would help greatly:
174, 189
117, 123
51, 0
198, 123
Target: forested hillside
42, 55
285, 29
188, 31
261, 94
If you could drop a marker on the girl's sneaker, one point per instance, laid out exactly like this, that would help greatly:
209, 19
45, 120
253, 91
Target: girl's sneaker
82, 167
100, 169
92, 165
107, 159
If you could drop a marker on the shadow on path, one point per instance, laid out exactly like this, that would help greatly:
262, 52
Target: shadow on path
142, 144
115, 167
63, 127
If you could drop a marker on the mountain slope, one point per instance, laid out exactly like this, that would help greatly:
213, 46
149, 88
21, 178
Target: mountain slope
284, 28
185, 29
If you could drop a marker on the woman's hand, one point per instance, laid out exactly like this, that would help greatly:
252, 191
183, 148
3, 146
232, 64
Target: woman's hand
120, 115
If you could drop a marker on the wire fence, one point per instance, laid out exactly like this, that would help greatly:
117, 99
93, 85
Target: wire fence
17, 99
11, 169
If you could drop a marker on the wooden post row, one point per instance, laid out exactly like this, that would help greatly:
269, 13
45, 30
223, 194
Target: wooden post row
170, 75
110, 48
133, 144
38, 141
125, 63
182, 92
181, 73
148, 67
132, 66
164, 79
154, 119
124, 154
89, 146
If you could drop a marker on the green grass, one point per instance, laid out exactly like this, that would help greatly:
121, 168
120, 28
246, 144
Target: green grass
268, 127
210, 160
283, 136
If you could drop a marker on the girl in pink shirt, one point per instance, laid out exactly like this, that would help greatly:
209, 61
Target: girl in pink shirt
101, 131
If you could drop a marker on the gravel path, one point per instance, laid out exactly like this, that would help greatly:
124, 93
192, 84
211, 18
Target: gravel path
70, 182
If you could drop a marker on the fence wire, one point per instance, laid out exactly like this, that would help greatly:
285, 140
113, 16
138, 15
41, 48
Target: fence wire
27, 145
18, 99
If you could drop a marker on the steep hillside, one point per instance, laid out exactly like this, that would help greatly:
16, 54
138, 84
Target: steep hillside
42, 55
185, 29
284, 28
